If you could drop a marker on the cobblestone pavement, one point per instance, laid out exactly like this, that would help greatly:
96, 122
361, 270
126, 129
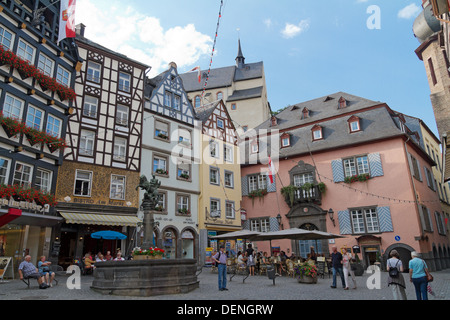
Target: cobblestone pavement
254, 288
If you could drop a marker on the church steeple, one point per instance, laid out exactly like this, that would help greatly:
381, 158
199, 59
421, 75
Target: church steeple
240, 59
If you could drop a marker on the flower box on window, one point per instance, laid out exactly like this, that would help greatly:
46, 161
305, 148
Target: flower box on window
185, 212
162, 171
357, 178
20, 193
27, 70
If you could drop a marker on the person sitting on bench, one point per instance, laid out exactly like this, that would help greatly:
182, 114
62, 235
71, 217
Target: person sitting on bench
27, 270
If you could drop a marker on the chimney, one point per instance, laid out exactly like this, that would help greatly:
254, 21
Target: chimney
274, 121
79, 28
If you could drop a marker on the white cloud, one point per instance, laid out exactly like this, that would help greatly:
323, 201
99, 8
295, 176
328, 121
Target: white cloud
292, 30
268, 22
410, 11
127, 31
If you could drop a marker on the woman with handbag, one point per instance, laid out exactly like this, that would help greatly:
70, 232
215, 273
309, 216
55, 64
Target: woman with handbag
395, 277
419, 276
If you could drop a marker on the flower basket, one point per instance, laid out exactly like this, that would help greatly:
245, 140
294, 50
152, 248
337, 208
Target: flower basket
152, 253
20, 193
306, 273
357, 178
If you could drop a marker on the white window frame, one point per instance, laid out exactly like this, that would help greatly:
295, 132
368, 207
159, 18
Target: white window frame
83, 182
162, 164
214, 205
177, 102
90, 107
115, 186
13, 107
4, 39
86, 138
122, 115
220, 123
257, 182
25, 177
356, 166
214, 172
52, 125
230, 181
168, 99
317, 134
355, 129
286, 142
365, 220
45, 63
32, 116
214, 151
63, 76
182, 202
4, 179
229, 210
120, 149
124, 82
26, 51
94, 72
228, 153
45, 182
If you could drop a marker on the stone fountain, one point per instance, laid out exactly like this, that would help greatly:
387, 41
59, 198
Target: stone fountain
146, 278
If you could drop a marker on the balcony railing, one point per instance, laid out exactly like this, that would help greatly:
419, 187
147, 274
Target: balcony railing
304, 194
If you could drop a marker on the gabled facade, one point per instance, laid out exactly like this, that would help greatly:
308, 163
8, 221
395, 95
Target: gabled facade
102, 163
32, 146
170, 152
220, 176
242, 88
362, 184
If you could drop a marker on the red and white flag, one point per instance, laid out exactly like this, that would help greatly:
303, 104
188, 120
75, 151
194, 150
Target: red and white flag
199, 73
272, 171
67, 20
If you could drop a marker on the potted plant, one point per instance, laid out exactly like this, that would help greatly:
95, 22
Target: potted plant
289, 194
306, 273
161, 171
257, 194
151, 253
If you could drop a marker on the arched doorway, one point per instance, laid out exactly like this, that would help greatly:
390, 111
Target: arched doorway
404, 252
188, 244
170, 239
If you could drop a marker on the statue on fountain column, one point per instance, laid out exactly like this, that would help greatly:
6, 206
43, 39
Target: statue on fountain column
149, 204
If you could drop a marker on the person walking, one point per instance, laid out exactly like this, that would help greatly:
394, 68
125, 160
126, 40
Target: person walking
251, 259
336, 263
221, 260
395, 278
346, 264
418, 276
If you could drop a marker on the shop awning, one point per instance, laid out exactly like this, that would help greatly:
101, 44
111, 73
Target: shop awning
11, 215
100, 219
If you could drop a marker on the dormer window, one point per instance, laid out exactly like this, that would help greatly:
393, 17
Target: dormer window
342, 103
317, 133
354, 124
285, 140
305, 113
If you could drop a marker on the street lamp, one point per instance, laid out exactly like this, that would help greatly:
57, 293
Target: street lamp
331, 215
279, 221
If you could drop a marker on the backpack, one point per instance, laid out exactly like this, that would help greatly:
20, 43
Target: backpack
393, 271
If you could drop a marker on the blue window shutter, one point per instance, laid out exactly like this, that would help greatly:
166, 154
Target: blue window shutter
244, 185
376, 168
345, 223
385, 219
271, 187
338, 171
274, 226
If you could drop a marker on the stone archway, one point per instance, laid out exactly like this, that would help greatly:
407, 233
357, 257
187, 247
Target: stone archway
403, 250
308, 216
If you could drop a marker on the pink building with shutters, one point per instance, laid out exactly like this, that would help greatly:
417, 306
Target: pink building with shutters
353, 168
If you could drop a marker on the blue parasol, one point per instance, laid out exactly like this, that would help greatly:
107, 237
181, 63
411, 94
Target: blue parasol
108, 235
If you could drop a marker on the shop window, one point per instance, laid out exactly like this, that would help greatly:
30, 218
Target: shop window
170, 244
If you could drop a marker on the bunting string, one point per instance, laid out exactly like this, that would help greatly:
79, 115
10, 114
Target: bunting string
213, 49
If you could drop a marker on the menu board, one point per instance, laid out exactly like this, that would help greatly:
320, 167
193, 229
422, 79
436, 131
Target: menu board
6, 267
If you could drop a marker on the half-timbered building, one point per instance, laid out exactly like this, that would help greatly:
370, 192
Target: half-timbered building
170, 153
220, 176
101, 170
36, 77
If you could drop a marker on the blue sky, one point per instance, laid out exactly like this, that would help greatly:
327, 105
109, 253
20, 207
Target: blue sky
309, 48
